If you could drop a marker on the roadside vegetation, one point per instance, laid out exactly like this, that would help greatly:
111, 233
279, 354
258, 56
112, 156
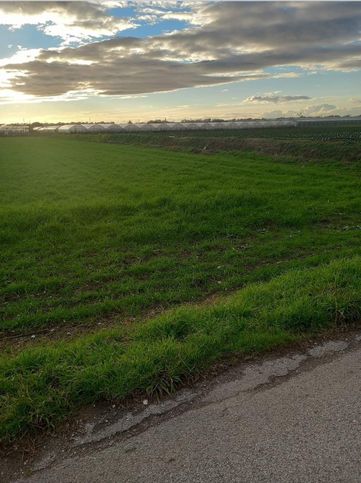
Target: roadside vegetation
167, 260
39, 386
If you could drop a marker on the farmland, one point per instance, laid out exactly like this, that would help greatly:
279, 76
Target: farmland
335, 141
130, 262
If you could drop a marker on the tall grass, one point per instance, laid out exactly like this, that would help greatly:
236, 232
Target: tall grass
41, 385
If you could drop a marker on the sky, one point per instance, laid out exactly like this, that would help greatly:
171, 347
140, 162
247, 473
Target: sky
123, 60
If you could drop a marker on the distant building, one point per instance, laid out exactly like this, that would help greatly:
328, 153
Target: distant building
14, 129
72, 128
319, 121
46, 129
23, 129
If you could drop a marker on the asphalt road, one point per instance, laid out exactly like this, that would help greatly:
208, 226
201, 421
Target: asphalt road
291, 419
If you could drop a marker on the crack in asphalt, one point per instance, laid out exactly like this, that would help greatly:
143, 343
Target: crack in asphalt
246, 378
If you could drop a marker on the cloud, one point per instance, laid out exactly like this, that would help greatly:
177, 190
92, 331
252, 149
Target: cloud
133, 74
275, 98
319, 109
275, 114
312, 110
169, 11
71, 21
229, 41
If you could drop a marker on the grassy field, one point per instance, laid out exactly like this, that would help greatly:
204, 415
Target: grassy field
259, 251
337, 141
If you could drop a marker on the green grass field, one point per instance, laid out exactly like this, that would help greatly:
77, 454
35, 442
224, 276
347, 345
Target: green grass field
337, 141
259, 251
